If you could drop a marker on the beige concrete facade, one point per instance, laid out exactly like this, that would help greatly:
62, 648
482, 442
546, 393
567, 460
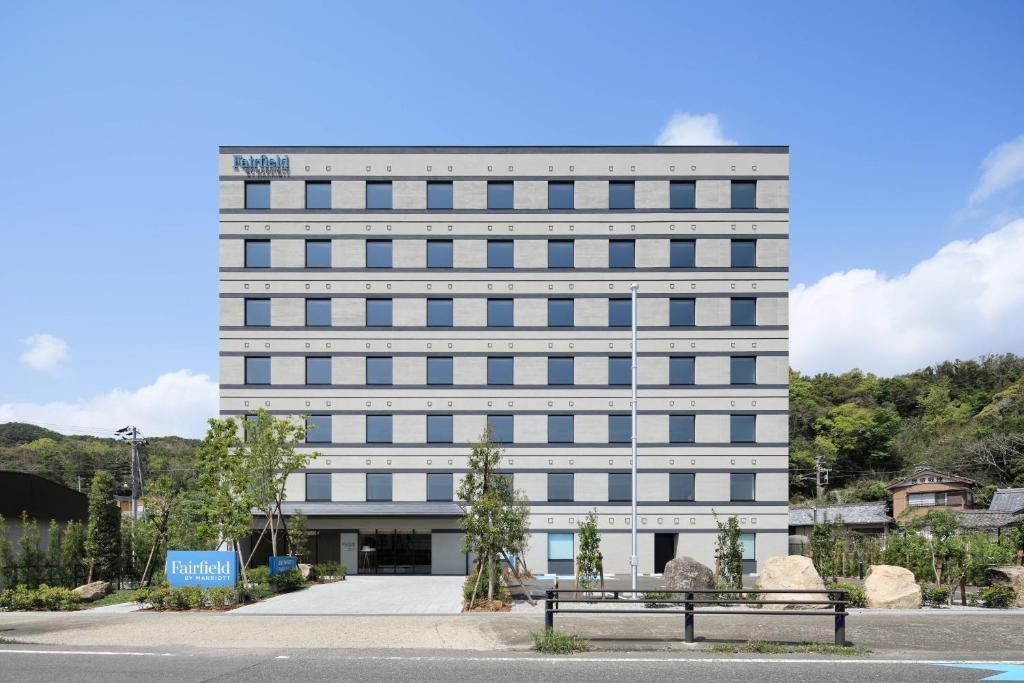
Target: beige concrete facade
654, 226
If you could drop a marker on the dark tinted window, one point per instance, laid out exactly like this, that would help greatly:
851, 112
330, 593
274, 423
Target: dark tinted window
439, 428
318, 312
378, 429
499, 195
378, 312
501, 428
378, 253
744, 194
620, 487
499, 312
318, 195
560, 254
743, 312
620, 428
318, 486
318, 253
681, 312
560, 195
257, 195
257, 369
742, 428
680, 486
742, 369
681, 429
560, 429
560, 370
682, 194
499, 370
620, 313
741, 486
500, 254
439, 486
257, 253
257, 312
620, 370
683, 254
620, 195
318, 370
560, 313
378, 486
439, 195
680, 370
439, 313
440, 369
621, 253
560, 486
378, 370
744, 253
378, 195
439, 254
319, 429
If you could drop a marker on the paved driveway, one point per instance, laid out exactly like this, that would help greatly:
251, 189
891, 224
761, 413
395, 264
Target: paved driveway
369, 595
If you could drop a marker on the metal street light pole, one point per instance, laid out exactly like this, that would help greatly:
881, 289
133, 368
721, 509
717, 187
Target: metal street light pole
633, 558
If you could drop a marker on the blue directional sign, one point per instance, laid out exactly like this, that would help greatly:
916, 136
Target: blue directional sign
283, 563
201, 568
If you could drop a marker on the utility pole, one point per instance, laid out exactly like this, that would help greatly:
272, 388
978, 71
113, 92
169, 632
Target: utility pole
820, 480
132, 435
633, 557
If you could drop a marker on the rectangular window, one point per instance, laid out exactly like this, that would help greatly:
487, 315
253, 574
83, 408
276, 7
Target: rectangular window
620, 370
743, 254
378, 370
318, 253
681, 429
926, 499
378, 253
257, 194
742, 370
439, 486
257, 312
439, 313
378, 429
440, 369
500, 370
620, 312
560, 486
682, 312
378, 486
743, 312
741, 486
620, 429
439, 254
500, 195
560, 195
318, 194
621, 194
682, 194
744, 194
560, 254
501, 428
681, 370
683, 254
742, 428
560, 313
378, 312
257, 253
257, 369
621, 253
318, 370
439, 428
560, 370
620, 487
680, 487
500, 253
318, 486
318, 312
319, 429
499, 313
560, 554
560, 429
748, 546
378, 195
439, 195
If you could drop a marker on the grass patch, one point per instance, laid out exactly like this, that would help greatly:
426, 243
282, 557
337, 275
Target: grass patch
115, 598
558, 643
7, 641
770, 647
725, 648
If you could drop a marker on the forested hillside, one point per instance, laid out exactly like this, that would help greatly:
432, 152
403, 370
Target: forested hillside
963, 417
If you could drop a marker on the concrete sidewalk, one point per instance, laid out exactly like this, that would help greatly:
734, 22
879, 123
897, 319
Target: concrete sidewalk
367, 595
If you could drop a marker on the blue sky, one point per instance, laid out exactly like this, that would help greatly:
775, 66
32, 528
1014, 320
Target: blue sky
112, 114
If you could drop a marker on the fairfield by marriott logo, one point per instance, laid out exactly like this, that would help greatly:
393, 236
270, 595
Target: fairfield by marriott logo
262, 164
202, 570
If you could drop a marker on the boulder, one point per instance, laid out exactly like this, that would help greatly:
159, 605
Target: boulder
889, 587
93, 591
1009, 576
794, 572
305, 569
685, 573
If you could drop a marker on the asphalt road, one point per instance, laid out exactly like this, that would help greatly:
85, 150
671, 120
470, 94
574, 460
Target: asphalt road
41, 663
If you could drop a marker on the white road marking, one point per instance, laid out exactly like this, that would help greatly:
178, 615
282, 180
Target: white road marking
680, 660
282, 657
99, 653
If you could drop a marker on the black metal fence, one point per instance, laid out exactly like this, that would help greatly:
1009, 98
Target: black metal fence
709, 602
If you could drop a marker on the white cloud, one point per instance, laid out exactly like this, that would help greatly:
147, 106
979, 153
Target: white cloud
966, 300
43, 351
1003, 167
177, 403
693, 129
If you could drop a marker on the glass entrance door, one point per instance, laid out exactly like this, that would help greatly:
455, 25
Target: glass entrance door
394, 551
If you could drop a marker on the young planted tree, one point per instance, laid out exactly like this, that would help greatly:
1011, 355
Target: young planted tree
54, 576
298, 536
730, 553
103, 533
8, 561
589, 560
30, 557
225, 484
158, 505
72, 553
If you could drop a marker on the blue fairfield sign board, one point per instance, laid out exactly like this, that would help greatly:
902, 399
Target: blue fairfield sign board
283, 563
201, 568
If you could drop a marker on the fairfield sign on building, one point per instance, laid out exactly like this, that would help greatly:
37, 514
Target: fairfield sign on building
262, 164
201, 568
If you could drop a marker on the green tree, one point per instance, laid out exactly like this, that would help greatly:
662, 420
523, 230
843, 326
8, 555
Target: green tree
730, 553
8, 561
30, 556
103, 532
589, 561
824, 541
225, 484
298, 535
54, 575
945, 542
72, 553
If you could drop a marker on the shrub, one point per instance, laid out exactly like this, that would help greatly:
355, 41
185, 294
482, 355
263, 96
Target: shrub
935, 596
654, 596
284, 582
557, 643
500, 591
221, 596
999, 597
255, 592
329, 570
258, 574
42, 598
855, 596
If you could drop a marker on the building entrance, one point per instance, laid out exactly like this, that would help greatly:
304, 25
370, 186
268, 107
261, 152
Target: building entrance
394, 551
664, 550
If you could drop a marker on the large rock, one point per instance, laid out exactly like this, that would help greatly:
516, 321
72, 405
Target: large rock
93, 591
889, 587
685, 573
305, 570
793, 572
1009, 576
